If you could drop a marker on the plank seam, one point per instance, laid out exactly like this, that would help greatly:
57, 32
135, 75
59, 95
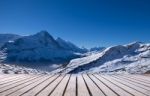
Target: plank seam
137, 80
11, 79
56, 86
17, 85
132, 83
96, 85
140, 79
46, 85
87, 86
66, 85
23, 86
106, 85
131, 87
15, 82
76, 86
37, 85
118, 86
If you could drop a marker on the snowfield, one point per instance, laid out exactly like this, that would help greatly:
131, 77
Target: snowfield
13, 69
132, 58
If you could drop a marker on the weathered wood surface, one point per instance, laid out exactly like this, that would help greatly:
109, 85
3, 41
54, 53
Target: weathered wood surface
75, 85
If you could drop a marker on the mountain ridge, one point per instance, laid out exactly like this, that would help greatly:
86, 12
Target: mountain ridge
38, 47
119, 58
42, 47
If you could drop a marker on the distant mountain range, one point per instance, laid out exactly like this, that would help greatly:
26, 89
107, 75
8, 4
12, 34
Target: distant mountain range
61, 56
40, 47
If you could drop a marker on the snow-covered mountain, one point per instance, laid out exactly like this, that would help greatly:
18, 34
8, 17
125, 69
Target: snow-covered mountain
38, 48
70, 46
131, 58
42, 47
7, 37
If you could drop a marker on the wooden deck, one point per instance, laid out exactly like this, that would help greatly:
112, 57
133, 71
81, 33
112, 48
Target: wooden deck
75, 85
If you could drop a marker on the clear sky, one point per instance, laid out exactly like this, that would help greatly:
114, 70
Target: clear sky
84, 22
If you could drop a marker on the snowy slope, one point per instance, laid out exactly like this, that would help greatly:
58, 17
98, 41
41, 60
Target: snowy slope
132, 58
39, 47
13, 69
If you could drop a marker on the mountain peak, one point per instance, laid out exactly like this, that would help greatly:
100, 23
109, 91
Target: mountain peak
135, 43
45, 37
43, 33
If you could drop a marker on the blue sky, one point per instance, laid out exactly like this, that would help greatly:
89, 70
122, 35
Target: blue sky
86, 23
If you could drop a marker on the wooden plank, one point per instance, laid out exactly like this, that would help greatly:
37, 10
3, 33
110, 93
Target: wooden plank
81, 87
140, 82
133, 83
136, 86
144, 77
40, 87
12, 90
103, 87
51, 87
16, 84
11, 78
59, 91
4, 84
71, 88
91, 86
74, 85
125, 85
29, 87
21, 77
139, 78
114, 87
9, 75
2, 76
